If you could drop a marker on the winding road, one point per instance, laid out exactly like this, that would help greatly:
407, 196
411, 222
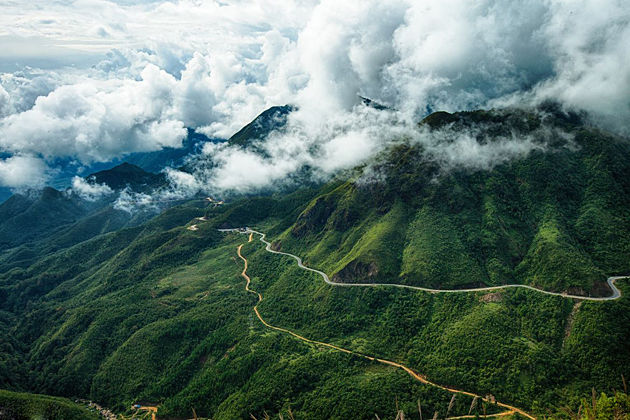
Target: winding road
510, 410
616, 293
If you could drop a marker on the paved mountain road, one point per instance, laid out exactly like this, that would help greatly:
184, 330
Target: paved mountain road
616, 293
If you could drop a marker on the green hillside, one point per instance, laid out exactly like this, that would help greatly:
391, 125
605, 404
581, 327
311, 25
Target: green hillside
153, 311
22, 406
26, 218
557, 219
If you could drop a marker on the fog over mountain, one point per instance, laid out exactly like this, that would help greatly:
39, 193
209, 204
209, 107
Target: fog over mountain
102, 79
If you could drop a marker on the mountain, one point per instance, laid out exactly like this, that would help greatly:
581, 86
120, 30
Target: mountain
157, 310
37, 223
274, 118
5, 193
170, 157
128, 175
557, 219
33, 216
29, 217
155, 162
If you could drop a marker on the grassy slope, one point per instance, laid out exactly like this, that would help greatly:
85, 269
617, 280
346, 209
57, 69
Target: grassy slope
512, 348
129, 328
184, 335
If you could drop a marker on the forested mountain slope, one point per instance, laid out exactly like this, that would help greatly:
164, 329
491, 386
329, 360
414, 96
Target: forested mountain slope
558, 218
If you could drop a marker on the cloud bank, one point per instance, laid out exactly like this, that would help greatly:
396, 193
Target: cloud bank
147, 70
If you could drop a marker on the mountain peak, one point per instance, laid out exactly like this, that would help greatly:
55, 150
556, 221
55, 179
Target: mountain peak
267, 121
127, 168
49, 193
127, 175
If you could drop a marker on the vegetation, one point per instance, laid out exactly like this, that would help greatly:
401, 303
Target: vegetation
152, 311
616, 406
558, 219
22, 406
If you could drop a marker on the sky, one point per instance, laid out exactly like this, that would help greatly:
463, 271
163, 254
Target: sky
94, 80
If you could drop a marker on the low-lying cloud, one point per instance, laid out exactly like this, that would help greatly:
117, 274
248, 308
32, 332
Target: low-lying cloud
130, 201
473, 149
164, 66
89, 191
352, 141
344, 141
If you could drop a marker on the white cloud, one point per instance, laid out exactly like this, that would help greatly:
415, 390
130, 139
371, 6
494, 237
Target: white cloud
24, 87
89, 191
4, 102
590, 43
182, 185
131, 201
240, 170
214, 66
98, 121
22, 172
456, 149
344, 141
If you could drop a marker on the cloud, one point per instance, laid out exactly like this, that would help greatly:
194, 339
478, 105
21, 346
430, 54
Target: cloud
590, 44
89, 191
456, 55
472, 149
4, 102
180, 186
98, 121
37, 51
477, 147
130, 202
215, 66
25, 86
301, 148
23, 172
353, 139
240, 170
183, 184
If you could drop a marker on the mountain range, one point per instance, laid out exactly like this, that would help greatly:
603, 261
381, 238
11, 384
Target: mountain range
116, 307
